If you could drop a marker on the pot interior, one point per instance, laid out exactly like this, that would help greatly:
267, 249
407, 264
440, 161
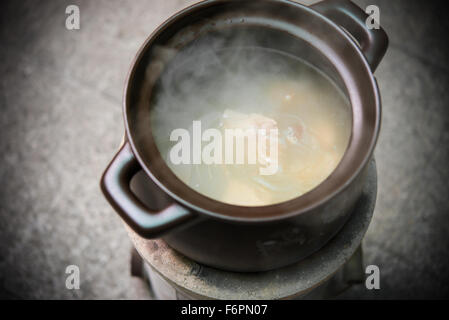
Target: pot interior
275, 26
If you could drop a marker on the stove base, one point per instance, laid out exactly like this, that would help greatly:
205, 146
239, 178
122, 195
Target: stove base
348, 275
321, 275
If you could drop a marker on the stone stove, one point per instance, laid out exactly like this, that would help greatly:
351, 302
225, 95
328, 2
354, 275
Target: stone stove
324, 274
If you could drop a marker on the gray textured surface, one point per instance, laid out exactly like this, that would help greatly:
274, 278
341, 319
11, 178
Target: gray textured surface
61, 123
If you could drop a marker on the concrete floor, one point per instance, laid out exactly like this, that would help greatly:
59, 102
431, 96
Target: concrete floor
61, 124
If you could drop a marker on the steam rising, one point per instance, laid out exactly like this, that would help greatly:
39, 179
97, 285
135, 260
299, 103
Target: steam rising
221, 74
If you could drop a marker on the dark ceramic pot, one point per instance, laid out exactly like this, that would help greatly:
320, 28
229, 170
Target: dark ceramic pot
330, 35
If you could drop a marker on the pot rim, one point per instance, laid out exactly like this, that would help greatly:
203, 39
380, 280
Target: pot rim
271, 212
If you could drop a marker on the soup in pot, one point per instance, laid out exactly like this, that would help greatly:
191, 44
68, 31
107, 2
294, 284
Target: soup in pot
249, 126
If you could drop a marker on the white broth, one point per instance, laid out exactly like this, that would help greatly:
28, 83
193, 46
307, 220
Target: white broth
253, 89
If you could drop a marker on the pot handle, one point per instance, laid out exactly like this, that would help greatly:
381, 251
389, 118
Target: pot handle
115, 184
352, 18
